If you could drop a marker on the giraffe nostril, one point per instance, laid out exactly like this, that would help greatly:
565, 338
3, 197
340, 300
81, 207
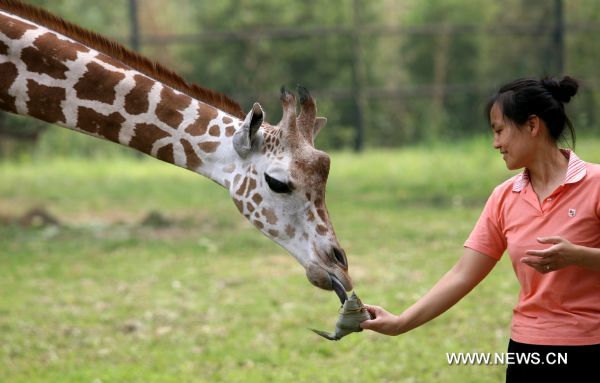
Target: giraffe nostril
340, 257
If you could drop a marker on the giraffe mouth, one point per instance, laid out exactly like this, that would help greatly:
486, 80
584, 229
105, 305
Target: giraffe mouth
339, 289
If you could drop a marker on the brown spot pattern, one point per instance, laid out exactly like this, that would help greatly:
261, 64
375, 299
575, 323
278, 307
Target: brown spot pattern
166, 154
196, 129
242, 187
136, 101
290, 231
193, 161
44, 102
258, 224
48, 55
239, 204
321, 230
170, 106
227, 120
94, 122
250, 207
51, 46
269, 215
251, 186
114, 62
209, 146
229, 131
37, 63
98, 84
9, 75
257, 198
3, 48
322, 214
145, 136
12, 28
313, 169
206, 114
274, 233
214, 131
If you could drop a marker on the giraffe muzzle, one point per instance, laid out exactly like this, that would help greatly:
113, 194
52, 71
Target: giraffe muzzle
330, 278
339, 289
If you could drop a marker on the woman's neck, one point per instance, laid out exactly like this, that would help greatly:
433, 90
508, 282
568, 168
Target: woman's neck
547, 171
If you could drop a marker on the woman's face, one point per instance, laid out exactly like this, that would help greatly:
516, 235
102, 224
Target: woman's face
514, 142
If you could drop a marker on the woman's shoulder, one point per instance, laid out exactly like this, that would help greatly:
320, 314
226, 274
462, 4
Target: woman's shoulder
592, 172
513, 183
592, 169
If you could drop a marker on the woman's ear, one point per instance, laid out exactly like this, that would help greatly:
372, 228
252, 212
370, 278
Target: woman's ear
534, 125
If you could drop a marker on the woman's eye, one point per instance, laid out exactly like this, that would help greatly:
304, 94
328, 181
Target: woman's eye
276, 185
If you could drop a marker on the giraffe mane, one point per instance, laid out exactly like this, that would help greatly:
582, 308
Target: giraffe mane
134, 60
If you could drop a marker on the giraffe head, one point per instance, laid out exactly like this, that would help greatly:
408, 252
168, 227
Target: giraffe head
279, 182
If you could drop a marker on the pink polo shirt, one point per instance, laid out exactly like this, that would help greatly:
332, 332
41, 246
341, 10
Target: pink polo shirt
561, 307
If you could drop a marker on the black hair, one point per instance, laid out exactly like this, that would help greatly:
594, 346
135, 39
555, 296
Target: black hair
544, 98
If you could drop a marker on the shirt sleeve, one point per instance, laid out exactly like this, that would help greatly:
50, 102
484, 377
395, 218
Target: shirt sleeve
487, 236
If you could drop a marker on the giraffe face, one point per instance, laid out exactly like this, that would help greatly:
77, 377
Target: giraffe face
279, 186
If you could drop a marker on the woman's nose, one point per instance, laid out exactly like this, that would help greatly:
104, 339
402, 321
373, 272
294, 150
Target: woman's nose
496, 143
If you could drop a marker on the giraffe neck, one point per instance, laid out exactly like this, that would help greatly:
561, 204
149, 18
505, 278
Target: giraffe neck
59, 80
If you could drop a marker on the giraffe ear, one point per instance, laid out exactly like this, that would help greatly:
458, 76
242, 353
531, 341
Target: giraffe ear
244, 136
320, 122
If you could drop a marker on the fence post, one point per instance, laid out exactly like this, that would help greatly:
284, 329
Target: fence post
357, 78
134, 27
558, 37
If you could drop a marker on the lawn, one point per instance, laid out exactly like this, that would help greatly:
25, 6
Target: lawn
111, 296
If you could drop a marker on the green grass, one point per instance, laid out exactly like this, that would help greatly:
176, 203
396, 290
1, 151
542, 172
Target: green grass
208, 299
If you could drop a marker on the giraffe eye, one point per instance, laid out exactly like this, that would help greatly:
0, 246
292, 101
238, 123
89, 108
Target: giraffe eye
277, 186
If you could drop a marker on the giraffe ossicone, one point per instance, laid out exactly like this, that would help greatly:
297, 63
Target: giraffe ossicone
58, 72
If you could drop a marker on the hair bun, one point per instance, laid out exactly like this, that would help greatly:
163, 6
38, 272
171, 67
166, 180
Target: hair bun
562, 90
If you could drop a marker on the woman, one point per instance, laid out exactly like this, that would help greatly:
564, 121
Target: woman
548, 218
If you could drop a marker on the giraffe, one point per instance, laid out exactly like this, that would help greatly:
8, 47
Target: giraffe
60, 73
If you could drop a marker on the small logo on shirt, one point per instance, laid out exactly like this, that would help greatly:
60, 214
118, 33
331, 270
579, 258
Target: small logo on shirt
572, 213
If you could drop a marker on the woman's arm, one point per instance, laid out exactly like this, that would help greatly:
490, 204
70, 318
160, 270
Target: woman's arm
470, 269
562, 254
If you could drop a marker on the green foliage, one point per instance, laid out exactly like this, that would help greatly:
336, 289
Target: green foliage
426, 67
254, 69
110, 19
18, 134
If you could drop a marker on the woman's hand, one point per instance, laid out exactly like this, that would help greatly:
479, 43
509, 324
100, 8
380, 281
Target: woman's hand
562, 254
383, 322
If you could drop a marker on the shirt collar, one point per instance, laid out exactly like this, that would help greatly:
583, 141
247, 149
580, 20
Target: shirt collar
575, 172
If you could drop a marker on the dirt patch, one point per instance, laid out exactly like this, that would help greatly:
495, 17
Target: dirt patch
35, 217
156, 220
